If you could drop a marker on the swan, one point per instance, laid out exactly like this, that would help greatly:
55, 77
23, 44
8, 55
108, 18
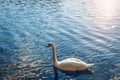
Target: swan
69, 64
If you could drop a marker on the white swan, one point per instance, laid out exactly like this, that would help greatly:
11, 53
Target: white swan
69, 64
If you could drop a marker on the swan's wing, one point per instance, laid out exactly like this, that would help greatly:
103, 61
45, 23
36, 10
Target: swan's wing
79, 61
72, 64
76, 60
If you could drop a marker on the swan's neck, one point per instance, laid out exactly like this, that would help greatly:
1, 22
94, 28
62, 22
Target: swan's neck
54, 55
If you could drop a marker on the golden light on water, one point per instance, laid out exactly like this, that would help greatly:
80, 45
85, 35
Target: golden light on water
108, 7
105, 11
101, 13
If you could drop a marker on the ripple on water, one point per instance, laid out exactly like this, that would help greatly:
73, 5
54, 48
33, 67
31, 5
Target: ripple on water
28, 26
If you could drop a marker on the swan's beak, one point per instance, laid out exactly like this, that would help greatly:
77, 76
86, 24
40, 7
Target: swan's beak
48, 46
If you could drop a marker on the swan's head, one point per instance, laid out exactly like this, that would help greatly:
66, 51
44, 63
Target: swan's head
50, 45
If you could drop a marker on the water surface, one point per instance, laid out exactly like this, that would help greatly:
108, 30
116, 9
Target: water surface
84, 29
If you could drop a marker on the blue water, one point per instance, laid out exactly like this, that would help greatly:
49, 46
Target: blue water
84, 29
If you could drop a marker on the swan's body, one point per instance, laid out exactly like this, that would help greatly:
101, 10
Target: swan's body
69, 64
72, 64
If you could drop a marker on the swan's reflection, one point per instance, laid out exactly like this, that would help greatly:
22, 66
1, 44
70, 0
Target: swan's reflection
71, 73
56, 73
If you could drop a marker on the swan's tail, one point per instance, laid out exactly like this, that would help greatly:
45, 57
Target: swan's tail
89, 65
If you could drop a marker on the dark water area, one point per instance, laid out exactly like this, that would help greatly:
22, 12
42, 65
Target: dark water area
83, 29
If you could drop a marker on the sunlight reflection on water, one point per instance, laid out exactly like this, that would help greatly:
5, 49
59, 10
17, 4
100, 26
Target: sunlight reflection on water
85, 29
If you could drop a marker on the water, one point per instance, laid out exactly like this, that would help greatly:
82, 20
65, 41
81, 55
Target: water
84, 29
